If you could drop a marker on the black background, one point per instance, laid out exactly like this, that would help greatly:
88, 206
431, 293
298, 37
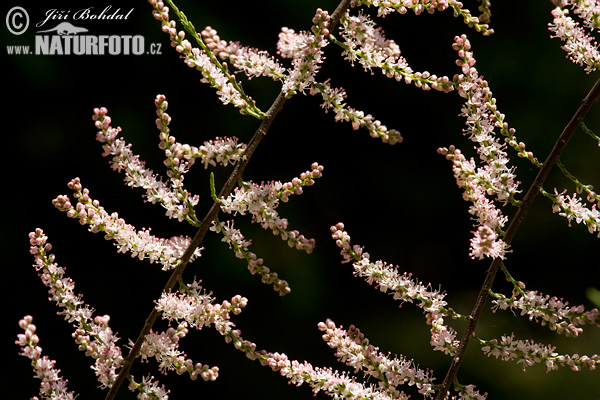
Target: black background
401, 201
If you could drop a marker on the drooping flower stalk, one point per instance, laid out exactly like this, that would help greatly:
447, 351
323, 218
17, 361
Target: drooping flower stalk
262, 200
92, 334
140, 243
403, 288
53, 386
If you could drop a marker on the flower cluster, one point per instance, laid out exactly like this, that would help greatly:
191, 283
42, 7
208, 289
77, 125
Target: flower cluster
236, 241
262, 200
573, 208
365, 43
473, 181
203, 59
547, 310
354, 350
485, 243
141, 244
333, 99
178, 203
403, 287
483, 117
165, 348
528, 353
180, 157
92, 334
252, 62
198, 309
52, 386
306, 51
494, 177
430, 6
333, 383
580, 45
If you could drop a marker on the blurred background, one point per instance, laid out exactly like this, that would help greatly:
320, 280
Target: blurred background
401, 202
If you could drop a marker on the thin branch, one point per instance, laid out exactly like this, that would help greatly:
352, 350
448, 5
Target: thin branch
519, 217
337, 14
236, 174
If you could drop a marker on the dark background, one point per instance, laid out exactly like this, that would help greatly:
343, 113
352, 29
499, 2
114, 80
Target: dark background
401, 201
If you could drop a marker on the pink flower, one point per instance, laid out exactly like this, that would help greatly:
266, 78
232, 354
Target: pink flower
403, 287
486, 243
203, 59
52, 384
252, 62
198, 309
491, 177
141, 244
92, 334
165, 348
528, 353
305, 50
580, 45
366, 44
353, 349
333, 383
574, 209
550, 311
262, 200
176, 200
333, 99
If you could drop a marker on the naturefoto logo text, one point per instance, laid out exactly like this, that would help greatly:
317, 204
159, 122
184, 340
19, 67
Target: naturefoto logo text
64, 32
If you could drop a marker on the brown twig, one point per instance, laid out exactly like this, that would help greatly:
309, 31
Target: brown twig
235, 175
527, 201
